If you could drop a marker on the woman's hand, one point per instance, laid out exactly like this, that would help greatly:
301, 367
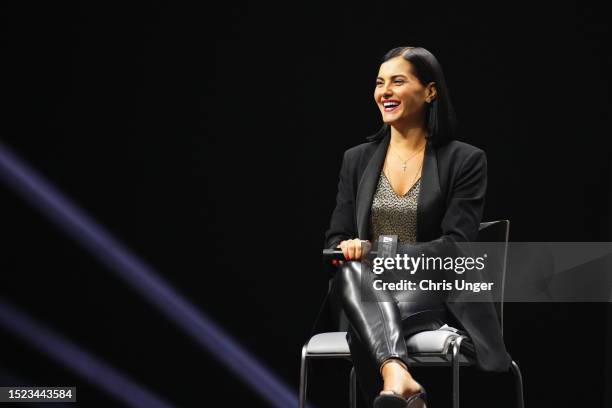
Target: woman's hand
354, 249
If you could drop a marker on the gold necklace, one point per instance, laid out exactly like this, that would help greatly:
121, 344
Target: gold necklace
406, 161
413, 179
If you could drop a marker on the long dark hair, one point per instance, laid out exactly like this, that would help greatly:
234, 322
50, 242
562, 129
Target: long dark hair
439, 115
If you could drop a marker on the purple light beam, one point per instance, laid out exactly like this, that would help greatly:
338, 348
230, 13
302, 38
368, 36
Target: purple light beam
32, 187
93, 369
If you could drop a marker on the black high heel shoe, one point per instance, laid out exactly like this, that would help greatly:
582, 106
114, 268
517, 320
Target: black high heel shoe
395, 400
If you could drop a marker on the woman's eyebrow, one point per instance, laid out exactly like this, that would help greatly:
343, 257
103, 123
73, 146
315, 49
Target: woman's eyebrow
393, 76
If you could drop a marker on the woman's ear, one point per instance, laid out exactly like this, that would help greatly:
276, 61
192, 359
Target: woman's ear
431, 92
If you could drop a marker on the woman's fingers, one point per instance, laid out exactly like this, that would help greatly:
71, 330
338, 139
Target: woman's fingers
346, 251
345, 245
357, 246
351, 249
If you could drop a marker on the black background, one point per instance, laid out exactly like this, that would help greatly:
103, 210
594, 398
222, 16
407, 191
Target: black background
208, 140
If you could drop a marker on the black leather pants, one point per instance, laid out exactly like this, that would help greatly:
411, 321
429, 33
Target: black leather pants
377, 330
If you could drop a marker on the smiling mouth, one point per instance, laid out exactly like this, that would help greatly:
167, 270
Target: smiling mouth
390, 106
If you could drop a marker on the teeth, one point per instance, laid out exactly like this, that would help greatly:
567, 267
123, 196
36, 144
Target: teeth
389, 104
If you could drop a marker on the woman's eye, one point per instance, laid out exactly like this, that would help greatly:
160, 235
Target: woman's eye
396, 81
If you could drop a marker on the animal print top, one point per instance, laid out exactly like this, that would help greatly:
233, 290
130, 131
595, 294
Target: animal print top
392, 214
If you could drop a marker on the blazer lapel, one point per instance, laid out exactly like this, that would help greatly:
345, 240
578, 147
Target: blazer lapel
428, 209
367, 187
429, 192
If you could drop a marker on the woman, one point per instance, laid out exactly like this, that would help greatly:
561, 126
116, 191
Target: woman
413, 180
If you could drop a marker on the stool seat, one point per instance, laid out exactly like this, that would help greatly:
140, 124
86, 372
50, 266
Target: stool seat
328, 343
431, 341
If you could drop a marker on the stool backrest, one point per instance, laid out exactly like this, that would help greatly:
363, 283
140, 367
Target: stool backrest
498, 231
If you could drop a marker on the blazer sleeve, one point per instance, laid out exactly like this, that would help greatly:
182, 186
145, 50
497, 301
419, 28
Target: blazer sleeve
466, 205
342, 224
464, 210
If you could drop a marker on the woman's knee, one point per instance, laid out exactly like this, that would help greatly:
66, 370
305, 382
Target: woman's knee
349, 276
348, 279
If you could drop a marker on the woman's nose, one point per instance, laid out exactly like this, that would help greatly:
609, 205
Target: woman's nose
387, 92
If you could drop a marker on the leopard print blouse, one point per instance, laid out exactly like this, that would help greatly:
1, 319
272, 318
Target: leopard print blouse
392, 214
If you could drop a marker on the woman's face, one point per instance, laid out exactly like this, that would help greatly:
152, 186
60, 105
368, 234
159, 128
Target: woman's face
399, 95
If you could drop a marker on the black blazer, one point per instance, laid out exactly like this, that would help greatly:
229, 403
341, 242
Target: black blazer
450, 207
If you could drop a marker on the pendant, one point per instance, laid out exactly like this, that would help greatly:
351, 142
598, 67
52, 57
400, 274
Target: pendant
404, 166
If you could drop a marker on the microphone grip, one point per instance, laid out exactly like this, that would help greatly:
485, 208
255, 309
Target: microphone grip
331, 254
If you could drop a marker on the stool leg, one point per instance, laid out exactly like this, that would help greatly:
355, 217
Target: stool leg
353, 389
303, 378
518, 383
455, 363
